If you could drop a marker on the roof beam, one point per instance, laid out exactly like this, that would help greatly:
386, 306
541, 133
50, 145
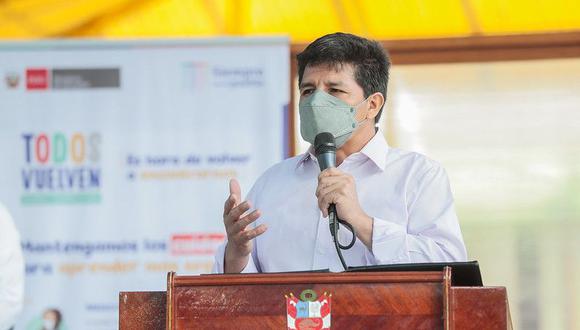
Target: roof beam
480, 48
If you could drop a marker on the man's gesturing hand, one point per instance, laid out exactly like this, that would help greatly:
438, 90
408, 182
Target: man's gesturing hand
236, 221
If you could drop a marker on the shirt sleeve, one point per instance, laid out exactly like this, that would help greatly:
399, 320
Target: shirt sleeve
218, 266
253, 264
11, 271
432, 233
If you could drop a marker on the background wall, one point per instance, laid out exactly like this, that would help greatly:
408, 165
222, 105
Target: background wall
509, 135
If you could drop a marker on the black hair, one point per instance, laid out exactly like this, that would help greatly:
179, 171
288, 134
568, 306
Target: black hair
370, 61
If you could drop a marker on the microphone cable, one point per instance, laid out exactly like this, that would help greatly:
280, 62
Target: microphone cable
334, 222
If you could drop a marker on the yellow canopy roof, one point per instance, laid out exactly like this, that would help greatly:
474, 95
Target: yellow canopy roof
303, 20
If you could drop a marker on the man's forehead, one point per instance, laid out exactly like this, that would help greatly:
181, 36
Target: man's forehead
333, 73
336, 67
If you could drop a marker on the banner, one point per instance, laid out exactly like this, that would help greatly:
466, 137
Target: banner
116, 157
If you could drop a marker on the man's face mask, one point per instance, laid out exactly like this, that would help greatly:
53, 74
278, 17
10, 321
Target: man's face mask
322, 112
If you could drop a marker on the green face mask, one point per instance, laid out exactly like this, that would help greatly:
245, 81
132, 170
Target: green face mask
322, 112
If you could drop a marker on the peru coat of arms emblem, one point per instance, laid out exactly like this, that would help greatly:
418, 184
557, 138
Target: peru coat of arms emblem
308, 312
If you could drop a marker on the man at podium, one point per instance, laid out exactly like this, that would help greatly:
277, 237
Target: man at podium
398, 203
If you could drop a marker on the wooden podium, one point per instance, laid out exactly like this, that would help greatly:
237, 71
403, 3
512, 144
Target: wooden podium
363, 300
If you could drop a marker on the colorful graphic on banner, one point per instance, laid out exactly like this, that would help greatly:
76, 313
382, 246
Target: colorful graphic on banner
61, 169
116, 158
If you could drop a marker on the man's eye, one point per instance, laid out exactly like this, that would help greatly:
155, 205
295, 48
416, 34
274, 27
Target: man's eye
334, 90
306, 92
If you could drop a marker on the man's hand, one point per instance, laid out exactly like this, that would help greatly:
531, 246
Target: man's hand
236, 219
337, 187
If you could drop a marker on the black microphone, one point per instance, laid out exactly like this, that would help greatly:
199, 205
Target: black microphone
325, 151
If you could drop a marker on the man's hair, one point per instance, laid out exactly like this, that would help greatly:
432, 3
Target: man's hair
370, 61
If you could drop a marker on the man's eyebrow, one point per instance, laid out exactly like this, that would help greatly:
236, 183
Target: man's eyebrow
328, 83
335, 83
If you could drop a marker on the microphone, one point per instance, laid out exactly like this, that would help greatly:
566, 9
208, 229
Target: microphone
325, 151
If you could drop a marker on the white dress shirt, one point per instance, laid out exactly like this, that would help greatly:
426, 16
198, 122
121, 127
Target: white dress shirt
407, 195
11, 271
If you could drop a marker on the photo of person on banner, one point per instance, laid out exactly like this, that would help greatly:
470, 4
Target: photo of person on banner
51, 320
398, 203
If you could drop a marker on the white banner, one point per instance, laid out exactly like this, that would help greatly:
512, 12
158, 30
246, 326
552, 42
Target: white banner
115, 158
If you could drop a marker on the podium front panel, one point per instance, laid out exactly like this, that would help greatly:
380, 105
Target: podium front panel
261, 301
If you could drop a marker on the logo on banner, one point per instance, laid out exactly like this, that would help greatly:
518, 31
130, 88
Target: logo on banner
198, 75
308, 312
61, 168
195, 75
37, 79
72, 78
238, 77
86, 78
12, 80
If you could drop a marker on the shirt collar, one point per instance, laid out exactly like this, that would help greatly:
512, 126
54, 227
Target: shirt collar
376, 150
305, 157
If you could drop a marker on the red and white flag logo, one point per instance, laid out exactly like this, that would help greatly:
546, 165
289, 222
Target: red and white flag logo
36, 78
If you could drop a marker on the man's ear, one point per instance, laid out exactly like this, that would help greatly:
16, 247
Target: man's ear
375, 102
